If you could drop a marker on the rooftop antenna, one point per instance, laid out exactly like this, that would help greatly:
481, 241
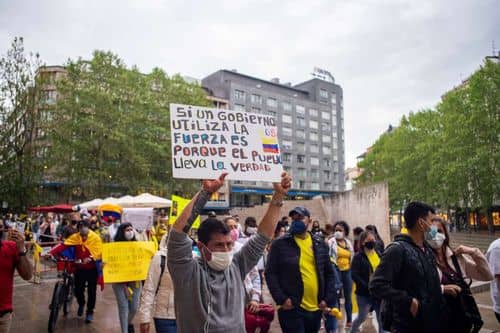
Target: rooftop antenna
493, 48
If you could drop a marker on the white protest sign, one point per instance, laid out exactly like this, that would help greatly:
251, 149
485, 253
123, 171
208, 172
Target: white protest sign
207, 142
140, 218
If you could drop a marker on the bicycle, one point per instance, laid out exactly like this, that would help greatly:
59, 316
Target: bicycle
62, 295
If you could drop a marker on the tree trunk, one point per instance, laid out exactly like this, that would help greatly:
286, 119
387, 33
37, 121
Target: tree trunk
489, 218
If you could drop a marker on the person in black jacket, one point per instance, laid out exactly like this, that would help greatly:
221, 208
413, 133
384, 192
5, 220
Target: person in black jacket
300, 276
363, 265
407, 280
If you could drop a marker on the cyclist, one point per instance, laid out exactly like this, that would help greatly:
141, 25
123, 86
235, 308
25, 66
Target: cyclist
86, 247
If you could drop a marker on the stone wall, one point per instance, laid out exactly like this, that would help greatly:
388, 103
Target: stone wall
362, 206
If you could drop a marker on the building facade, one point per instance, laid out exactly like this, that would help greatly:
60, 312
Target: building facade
310, 123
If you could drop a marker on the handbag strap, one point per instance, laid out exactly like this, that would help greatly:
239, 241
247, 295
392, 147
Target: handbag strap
454, 259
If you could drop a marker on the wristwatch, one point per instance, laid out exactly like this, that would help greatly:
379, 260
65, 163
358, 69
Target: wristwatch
277, 203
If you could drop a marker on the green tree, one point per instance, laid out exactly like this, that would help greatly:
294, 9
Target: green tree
111, 131
19, 98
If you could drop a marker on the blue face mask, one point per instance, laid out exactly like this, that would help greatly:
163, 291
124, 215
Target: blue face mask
297, 227
431, 234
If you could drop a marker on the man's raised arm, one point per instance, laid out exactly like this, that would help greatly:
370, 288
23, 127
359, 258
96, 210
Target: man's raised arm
195, 206
270, 219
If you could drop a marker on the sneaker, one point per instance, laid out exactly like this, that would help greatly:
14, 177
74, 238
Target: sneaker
131, 328
80, 310
89, 318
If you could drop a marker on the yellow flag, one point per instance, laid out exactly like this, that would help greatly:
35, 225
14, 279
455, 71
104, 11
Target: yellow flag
126, 261
178, 205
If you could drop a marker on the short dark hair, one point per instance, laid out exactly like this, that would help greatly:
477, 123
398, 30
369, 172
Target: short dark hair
211, 226
344, 225
416, 210
251, 221
357, 231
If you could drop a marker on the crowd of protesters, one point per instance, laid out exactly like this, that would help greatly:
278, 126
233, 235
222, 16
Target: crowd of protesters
213, 281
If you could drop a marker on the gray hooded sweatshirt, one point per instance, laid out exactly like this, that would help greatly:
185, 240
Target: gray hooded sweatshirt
207, 300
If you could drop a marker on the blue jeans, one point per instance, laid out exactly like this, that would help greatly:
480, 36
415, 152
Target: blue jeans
331, 321
364, 305
347, 288
127, 308
165, 325
298, 320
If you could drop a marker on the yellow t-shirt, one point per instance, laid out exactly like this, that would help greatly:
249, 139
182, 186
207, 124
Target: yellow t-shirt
308, 273
343, 258
374, 259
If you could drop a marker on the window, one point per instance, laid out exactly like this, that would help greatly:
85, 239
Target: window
328, 186
314, 161
301, 147
335, 145
313, 136
239, 94
326, 150
300, 109
301, 172
287, 106
313, 124
256, 99
334, 99
326, 126
314, 173
286, 118
49, 97
271, 102
301, 158
301, 121
326, 162
326, 139
287, 131
239, 107
334, 121
314, 148
323, 93
326, 174
287, 169
271, 113
314, 186
287, 157
313, 112
255, 110
286, 144
325, 115
302, 184
300, 134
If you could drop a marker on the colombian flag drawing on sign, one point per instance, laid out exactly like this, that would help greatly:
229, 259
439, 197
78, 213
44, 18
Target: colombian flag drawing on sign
270, 144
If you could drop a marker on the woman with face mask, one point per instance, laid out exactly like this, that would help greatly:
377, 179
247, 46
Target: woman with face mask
453, 267
364, 264
128, 293
342, 252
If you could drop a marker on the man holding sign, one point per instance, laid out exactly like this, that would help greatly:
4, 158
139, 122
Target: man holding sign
209, 291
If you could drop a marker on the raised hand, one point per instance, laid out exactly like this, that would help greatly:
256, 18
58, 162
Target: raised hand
285, 184
213, 185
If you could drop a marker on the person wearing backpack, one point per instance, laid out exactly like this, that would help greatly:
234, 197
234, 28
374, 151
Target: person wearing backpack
407, 281
454, 267
157, 299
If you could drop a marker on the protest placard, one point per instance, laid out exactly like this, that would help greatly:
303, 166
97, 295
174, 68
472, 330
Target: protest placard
178, 205
140, 218
207, 142
126, 261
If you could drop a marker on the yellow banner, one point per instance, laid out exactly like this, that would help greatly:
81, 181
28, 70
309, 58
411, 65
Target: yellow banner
126, 261
178, 205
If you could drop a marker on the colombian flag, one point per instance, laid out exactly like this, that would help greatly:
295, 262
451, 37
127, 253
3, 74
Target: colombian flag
270, 145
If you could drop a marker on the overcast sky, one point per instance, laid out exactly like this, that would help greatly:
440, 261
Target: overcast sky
390, 57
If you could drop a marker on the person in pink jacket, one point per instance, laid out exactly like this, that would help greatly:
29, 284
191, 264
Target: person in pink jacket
455, 266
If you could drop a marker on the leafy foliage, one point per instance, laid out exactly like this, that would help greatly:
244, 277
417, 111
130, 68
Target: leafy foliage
448, 156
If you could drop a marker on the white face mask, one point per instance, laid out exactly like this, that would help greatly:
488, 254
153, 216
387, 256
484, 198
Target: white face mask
338, 235
129, 235
437, 241
251, 230
220, 260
